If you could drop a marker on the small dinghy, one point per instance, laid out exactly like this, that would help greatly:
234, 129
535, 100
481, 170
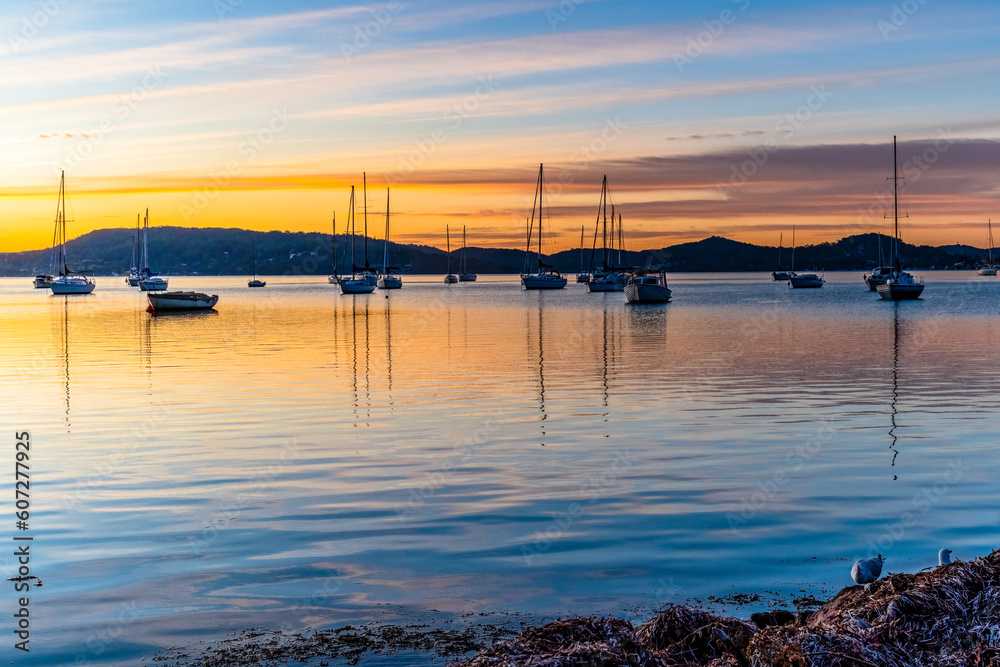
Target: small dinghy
181, 301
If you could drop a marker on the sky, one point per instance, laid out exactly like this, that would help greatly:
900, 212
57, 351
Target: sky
737, 118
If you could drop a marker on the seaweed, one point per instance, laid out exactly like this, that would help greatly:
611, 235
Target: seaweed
948, 616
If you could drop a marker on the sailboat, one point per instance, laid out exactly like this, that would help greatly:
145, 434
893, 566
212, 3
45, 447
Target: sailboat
990, 269
44, 280
451, 278
900, 286
149, 280
609, 278
880, 274
801, 279
334, 278
390, 279
583, 276
464, 275
68, 282
132, 279
358, 282
255, 282
780, 274
546, 276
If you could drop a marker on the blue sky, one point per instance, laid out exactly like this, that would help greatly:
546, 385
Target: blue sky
456, 105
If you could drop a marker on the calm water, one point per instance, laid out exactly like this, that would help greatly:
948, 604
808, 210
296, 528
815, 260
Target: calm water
302, 458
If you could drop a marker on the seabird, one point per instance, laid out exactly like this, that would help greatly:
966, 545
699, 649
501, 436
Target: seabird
867, 570
944, 556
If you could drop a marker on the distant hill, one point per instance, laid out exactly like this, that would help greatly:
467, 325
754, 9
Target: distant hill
177, 251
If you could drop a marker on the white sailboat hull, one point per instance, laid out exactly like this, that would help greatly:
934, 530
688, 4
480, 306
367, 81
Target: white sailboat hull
42, 282
988, 271
467, 277
542, 281
390, 282
72, 285
356, 286
611, 284
450, 279
334, 280
153, 284
805, 281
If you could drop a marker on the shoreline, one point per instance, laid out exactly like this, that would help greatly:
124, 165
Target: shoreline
948, 615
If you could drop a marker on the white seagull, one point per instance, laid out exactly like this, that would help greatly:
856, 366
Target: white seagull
944, 556
867, 570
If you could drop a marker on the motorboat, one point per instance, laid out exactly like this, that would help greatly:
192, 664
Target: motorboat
877, 277
805, 280
801, 280
153, 284
647, 287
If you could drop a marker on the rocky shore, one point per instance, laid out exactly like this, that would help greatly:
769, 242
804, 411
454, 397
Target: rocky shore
946, 616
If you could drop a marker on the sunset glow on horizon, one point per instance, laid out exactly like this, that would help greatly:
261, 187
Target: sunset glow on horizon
736, 118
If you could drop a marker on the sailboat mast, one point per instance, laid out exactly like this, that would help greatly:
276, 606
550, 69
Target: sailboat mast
541, 195
779, 250
61, 221
604, 228
352, 217
145, 241
581, 248
334, 243
385, 252
895, 204
447, 234
621, 242
462, 265
364, 183
793, 248
989, 226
